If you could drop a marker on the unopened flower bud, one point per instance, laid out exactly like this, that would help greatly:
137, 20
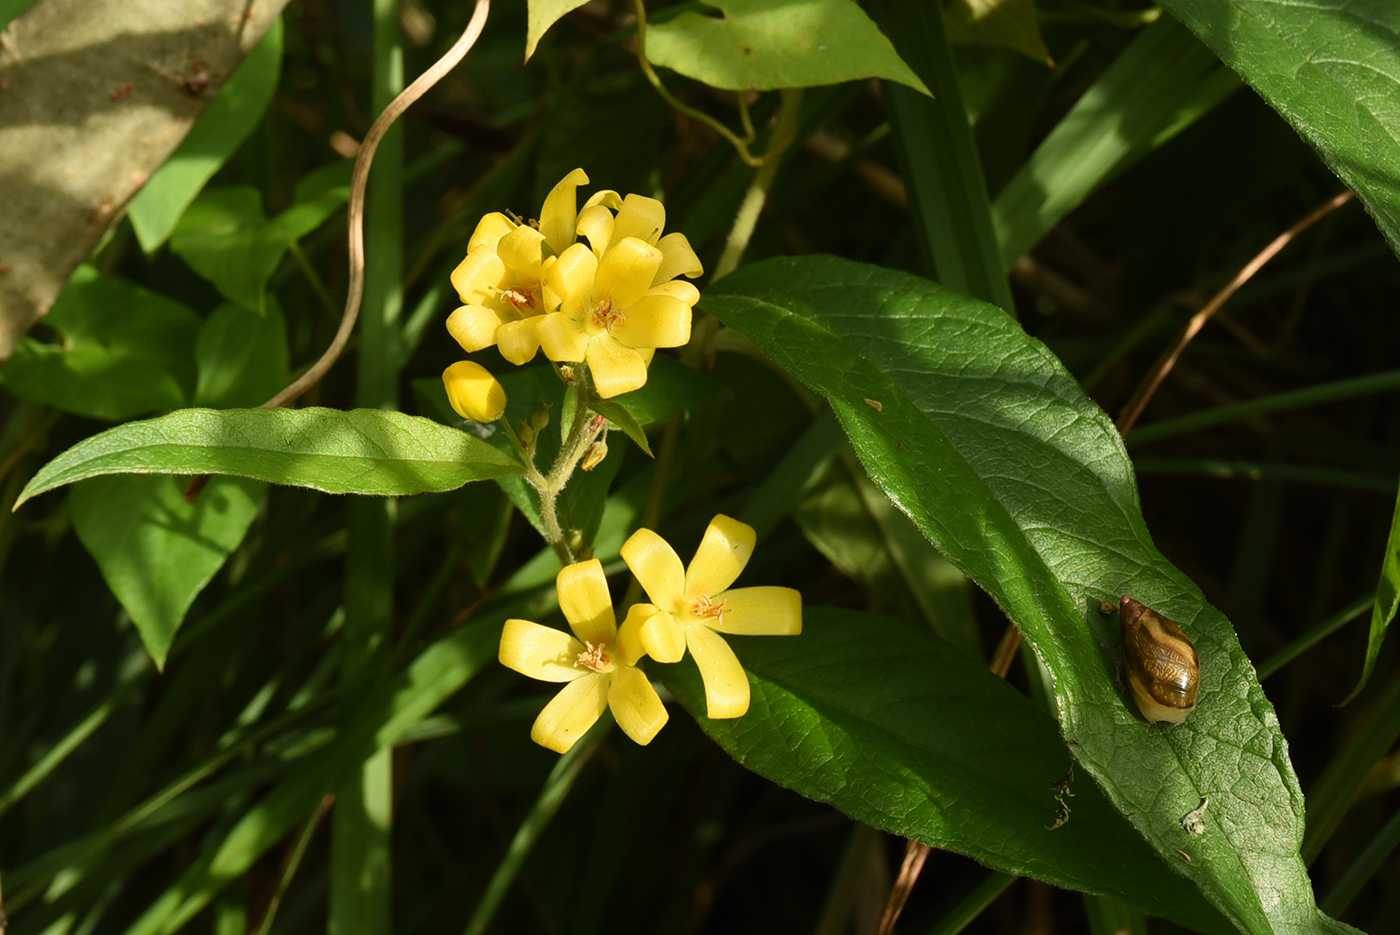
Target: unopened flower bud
595, 455
540, 419
473, 392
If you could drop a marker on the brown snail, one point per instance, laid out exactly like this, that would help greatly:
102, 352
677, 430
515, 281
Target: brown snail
1164, 673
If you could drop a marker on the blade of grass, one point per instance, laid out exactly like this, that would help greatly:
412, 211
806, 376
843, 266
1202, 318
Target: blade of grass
1264, 470
556, 789
1384, 382
360, 857
1363, 868
938, 155
973, 904
1316, 634
1156, 79
1330, 798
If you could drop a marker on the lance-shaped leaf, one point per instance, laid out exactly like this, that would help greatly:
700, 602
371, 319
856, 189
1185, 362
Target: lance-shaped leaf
979, 434
902, 731
366, 451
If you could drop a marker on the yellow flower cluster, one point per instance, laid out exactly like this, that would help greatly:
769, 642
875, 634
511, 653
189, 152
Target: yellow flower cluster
690, 608
609, 302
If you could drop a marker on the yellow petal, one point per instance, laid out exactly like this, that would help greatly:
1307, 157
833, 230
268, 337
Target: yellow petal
628, 649
575, 709
558, 215
596, 224
762, 611
473, 327
657, 568
490, 230
586, 603
640, 217
561, 337
519, 340
677, 259
569, 281
473, 392
654, 321
542, 653
677, 288
636, 705
522, 251
723, 553
607, 198
626, 270
616, 369
477, 276
726, 685
661, 636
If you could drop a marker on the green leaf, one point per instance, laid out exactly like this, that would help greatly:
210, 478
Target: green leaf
763, 45
365, 451
1387, 602
857, 528
618, 415
225, 238
211, 141
997, 24
542, 15
125, 351
1332, 70
242, 357
994, 451
890, 724
156, 551
671, 387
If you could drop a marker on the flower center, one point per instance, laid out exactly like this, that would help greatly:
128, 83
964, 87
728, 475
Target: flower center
706, 609
525, 301
605, 315
593, 657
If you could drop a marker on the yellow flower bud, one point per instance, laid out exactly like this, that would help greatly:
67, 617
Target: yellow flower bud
473, 392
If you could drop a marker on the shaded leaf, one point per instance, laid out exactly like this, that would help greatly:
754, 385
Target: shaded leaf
365, 451
898, 729
542, 15
125, 351
998, 24
242, 357
763, 45
993, 450
156, 551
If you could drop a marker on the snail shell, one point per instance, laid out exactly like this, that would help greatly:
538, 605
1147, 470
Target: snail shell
1164, 673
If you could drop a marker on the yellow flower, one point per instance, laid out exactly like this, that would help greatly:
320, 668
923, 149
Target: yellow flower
473, 392
613, 313
598, 662
643, 218
501, 281
690, 607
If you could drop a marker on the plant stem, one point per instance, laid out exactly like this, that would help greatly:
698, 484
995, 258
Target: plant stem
582, 431
747, 217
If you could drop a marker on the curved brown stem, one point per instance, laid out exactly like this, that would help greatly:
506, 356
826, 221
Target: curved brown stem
1167, 361
356, 216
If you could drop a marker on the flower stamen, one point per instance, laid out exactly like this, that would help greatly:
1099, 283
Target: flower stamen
706, 609
605, 315
593, 657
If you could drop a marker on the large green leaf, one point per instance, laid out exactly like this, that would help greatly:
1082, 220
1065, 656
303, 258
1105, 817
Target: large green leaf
242, 357
366, 451
1331, 68
902, 731
211, 141
125, 351
978, 433
762, 45
157, 551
